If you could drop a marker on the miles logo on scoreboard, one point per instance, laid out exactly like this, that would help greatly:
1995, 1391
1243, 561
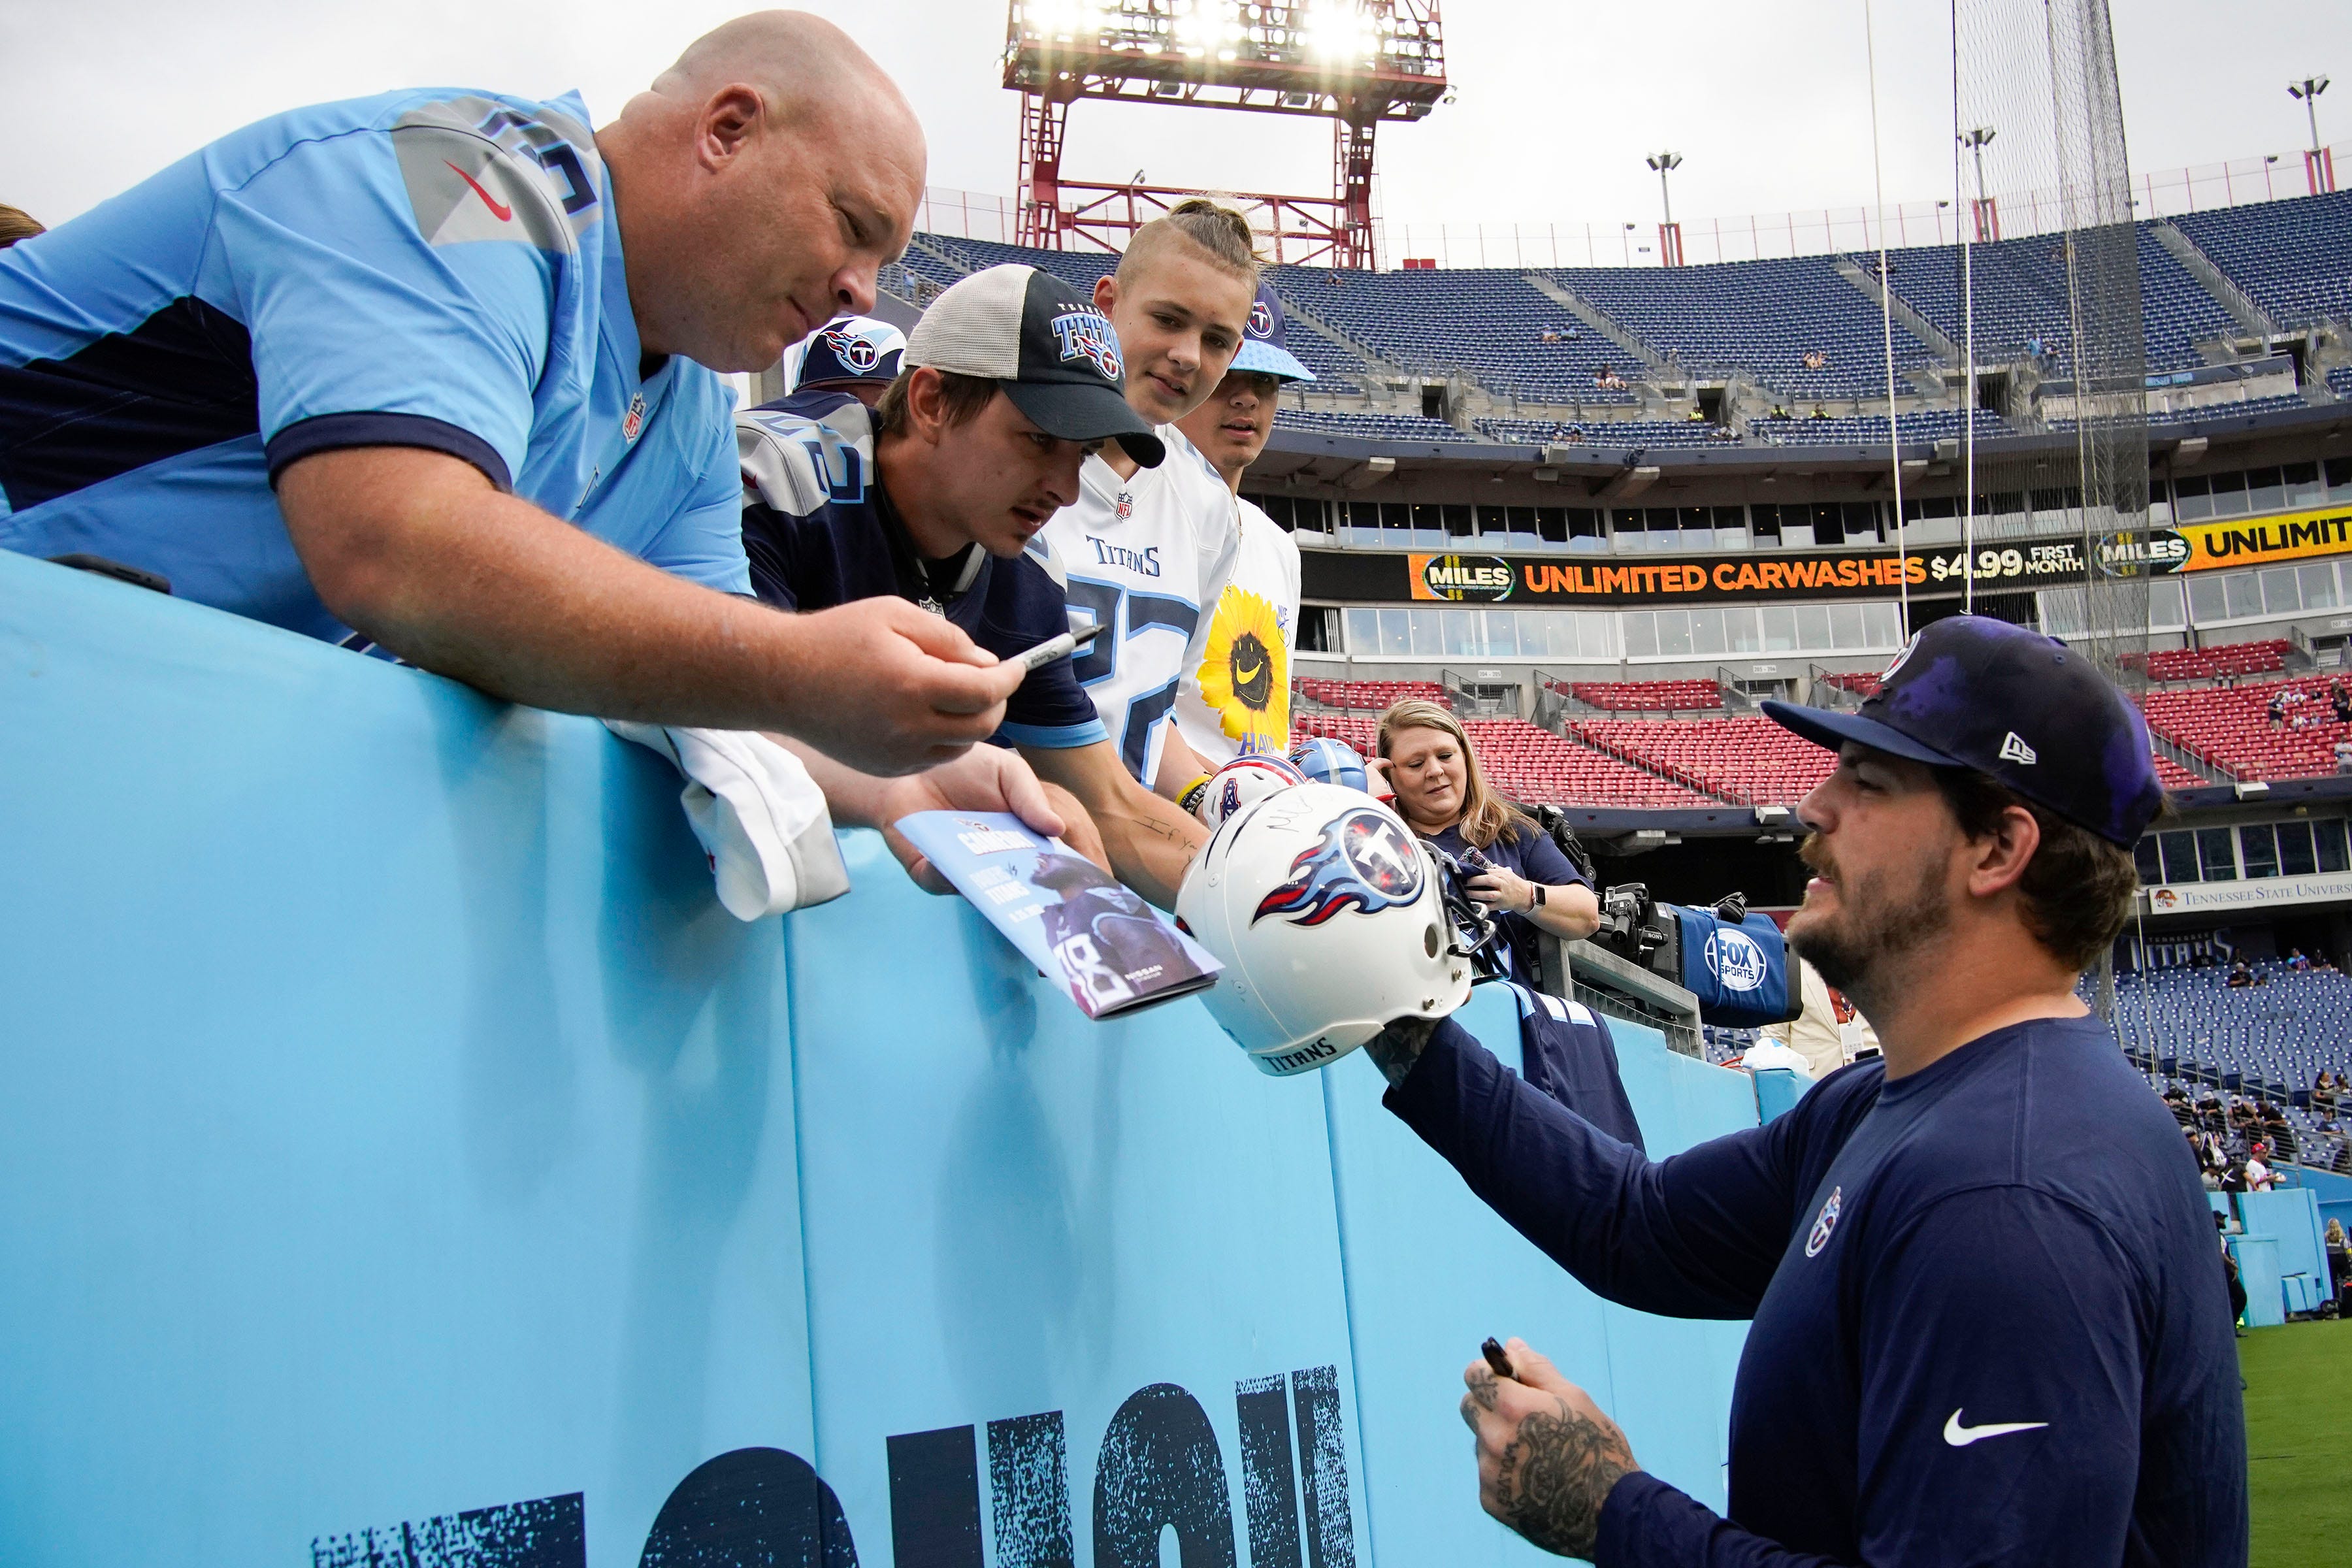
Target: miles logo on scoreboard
1459, 577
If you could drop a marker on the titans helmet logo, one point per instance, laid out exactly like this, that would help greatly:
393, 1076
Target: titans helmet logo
1261, 320
1364, 862
859, 354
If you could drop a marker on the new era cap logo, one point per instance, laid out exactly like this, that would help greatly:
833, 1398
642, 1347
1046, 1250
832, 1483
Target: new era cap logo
1088, 334
2013, 749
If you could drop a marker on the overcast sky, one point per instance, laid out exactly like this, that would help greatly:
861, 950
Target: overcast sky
1557, 99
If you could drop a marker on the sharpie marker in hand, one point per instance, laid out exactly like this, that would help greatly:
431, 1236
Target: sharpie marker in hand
1052, 648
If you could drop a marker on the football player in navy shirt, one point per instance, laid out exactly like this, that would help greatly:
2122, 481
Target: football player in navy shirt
937, 496
1986, 1322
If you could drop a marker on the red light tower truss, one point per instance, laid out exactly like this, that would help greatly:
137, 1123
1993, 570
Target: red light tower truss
1353, 62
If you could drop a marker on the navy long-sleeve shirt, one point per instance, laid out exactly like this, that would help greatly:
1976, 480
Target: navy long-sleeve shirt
1990, 1322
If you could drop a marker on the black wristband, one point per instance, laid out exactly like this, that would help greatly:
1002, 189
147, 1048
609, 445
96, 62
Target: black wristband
1539, 896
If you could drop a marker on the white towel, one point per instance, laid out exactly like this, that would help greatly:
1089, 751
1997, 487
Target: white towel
761, 818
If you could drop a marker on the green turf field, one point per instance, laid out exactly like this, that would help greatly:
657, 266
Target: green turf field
2299, 1443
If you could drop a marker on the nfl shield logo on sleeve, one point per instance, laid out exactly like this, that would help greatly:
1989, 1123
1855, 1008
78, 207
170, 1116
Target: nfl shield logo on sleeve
633, 424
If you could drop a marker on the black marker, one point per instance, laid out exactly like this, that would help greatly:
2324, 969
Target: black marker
1493, 1351
1052, 648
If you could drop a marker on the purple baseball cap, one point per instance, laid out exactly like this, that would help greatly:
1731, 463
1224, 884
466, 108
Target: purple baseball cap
1973, 692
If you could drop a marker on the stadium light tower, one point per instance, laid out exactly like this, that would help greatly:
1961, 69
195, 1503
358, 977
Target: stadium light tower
2319, 166
1987, 213
1670, 233
1353, 62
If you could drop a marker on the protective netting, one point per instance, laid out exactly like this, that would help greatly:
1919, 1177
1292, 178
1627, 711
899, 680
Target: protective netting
2036, 104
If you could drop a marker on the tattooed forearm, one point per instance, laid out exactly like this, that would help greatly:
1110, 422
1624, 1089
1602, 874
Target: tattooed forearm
1554, 1478
1395, 1048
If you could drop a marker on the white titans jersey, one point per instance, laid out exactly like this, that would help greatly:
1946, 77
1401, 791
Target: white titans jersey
1236, 695
1143, 555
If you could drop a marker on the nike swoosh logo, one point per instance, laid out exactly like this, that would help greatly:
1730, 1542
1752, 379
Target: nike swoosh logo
503, 213
1961, 1436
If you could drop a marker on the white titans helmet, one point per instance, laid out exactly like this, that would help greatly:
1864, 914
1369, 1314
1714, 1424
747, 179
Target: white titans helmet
1329, 918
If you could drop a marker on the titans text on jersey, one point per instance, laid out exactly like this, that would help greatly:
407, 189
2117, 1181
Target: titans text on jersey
1144, 554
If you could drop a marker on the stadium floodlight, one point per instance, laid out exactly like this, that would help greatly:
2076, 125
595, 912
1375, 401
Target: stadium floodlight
1670, 237
2317, 164
1665, 163
1976, 139
1341, 32
1352, 62
2308, 90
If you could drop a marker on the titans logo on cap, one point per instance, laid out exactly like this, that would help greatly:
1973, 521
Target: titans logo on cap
1088, 334
860, 355
1364, 861
1261, 319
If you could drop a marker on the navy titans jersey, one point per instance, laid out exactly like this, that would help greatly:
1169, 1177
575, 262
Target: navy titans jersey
1990, 1322
433, 268
819, 531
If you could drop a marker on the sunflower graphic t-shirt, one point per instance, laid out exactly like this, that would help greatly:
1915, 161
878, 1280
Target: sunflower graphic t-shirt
1235, 694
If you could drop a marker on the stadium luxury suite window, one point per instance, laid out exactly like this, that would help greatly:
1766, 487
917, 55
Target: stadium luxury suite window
2178, 853
2328, 840
2217, 856
2259, 847
2294, 851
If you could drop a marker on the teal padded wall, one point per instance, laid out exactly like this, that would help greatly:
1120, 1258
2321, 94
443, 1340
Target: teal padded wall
400, 1153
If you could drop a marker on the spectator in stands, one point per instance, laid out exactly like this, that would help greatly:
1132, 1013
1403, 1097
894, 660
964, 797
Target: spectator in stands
1813, 358
2176, 1099
2344, 755
2233, 1178
1234, 691
2339, 700
508, 459
2324, 1090
17, 224
974, 447
2296, 960
1512, 864
2259, 1176
1548, 335
2239, 975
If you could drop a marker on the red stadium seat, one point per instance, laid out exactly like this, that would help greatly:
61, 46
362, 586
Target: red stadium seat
2230, 727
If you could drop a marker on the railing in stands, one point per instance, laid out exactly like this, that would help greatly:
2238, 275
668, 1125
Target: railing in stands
1822, 231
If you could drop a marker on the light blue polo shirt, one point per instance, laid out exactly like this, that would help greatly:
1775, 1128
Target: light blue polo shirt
436, 268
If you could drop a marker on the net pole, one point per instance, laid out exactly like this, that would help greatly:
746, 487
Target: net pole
1968, 345
1886, 323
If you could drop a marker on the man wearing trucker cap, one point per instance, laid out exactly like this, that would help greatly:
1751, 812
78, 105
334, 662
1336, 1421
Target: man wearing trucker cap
1988, 1326
937, 494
